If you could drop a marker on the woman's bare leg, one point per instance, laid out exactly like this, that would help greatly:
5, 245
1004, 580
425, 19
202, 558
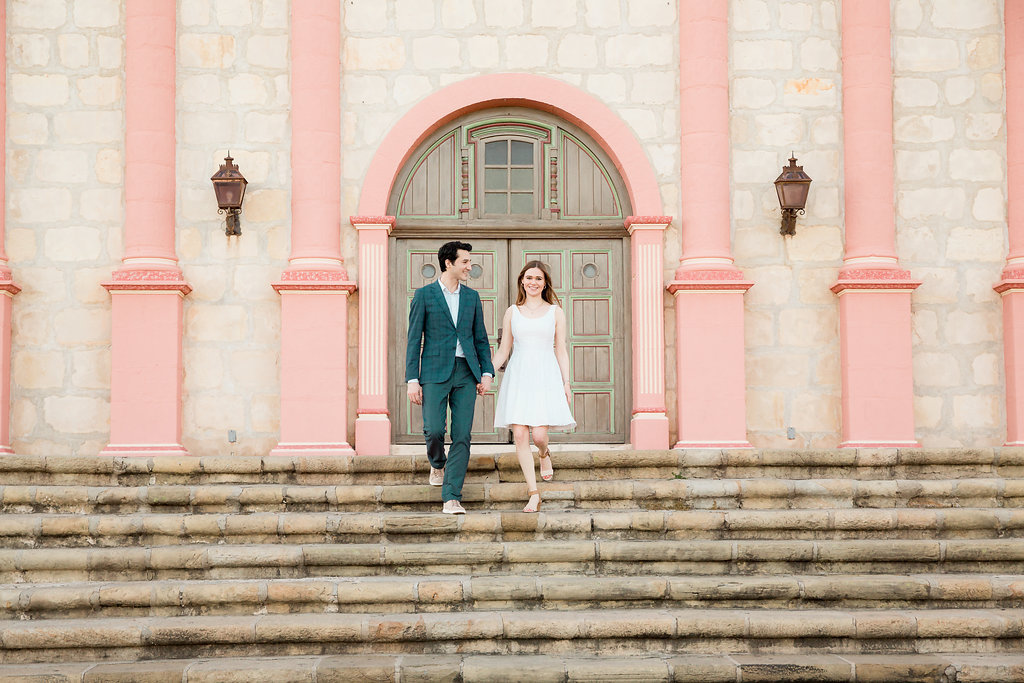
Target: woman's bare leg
540, 438
521, 434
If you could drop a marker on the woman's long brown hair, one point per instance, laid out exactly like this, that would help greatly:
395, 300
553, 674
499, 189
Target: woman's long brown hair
547, 293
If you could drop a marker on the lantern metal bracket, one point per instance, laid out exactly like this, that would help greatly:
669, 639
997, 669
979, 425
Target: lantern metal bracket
233, 222
789, 221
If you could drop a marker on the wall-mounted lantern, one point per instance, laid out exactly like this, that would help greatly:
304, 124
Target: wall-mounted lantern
229, 184
792, 186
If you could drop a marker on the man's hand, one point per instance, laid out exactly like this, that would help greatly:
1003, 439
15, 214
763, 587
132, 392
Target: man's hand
484, 386
415, 393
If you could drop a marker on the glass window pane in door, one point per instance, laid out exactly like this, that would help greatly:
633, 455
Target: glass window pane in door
496, 152
496, 179
522, 153
522, 203
495, 202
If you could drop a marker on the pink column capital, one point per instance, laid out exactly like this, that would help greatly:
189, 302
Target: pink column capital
373, 421
649, 423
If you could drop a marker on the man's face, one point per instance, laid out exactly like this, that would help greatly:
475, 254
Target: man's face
460, 268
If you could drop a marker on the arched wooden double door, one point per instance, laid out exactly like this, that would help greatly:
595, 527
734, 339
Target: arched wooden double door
519, 184
589, 276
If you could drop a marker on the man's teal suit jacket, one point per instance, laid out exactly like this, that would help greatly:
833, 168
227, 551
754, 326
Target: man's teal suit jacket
431, 321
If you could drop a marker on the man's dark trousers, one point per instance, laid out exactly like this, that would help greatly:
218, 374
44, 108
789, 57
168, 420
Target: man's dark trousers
459, 393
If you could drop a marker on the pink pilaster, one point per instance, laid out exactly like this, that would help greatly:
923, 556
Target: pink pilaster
708, 288
373, 424
7, 287
874, 293
146, 291
649, 424
315, 288
1012, 285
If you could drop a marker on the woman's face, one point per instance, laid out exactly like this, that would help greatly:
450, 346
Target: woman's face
533, 281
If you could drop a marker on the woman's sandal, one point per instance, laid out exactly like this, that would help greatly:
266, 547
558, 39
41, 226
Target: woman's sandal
547, 474
532, 493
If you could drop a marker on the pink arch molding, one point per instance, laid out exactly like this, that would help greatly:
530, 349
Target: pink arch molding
512, 89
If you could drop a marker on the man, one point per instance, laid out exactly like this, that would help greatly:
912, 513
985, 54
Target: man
447, 363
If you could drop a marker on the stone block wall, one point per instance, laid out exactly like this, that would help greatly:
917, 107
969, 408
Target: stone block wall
65, 199
785, 94
233, 94
950, 139
65, 209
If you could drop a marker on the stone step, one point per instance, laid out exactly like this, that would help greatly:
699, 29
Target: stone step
677, 494
440, 593
555, 668
668, 631
592, 557
570, 464
46, 530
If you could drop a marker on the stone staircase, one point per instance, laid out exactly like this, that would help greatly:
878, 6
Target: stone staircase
739, 565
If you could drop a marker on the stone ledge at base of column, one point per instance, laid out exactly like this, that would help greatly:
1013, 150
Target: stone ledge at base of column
147, 280
6, 450
316, 449
144, 450
886, 279
716, 280
1012, 281
314, 280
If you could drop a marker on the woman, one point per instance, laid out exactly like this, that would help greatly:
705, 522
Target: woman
534, 393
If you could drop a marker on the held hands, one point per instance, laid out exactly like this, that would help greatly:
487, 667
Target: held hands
415, 392
484, 386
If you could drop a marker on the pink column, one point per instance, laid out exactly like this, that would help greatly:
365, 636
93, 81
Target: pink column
315, 287
147, 291
1012, 284
708, 288
373, 424
7, 287
874, 293
649, 425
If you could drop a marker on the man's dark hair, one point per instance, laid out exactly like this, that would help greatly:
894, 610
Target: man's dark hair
449, 251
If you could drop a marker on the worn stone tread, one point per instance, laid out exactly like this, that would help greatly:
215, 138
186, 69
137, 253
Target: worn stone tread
684, 630
874, 668
724, 493
584, 556
424, 593
58, 529
855, 463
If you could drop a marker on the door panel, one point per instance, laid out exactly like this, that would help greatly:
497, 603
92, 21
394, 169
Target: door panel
588, 276
415, 262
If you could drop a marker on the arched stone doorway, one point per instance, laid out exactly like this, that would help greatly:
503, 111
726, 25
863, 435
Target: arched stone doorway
520, 184
648, 424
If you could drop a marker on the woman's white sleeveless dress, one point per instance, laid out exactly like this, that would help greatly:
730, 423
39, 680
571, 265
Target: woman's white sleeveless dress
531, 391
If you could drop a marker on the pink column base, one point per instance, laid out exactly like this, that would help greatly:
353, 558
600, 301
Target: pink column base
876, 357
1012, 290
710, 375
314, 363
146, 362
373, 434
649, 431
